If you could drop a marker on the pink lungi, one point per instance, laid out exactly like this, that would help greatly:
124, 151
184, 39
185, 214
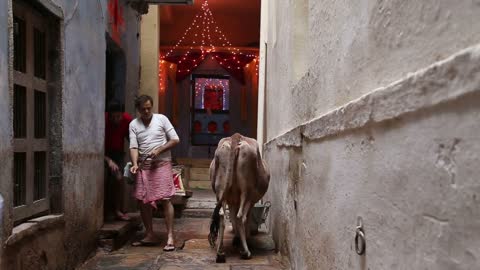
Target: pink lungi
154, 182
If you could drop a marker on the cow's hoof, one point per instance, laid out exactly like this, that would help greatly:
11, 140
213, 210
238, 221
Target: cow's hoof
220, 258
245, 255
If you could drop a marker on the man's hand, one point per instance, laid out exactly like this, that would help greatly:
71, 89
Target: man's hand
155, 152
113, 166
134, 169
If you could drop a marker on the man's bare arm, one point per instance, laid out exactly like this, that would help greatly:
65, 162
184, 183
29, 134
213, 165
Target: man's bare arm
134, 156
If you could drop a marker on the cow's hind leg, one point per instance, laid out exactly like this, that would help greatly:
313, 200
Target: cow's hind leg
236, 242
243, 226
220, 251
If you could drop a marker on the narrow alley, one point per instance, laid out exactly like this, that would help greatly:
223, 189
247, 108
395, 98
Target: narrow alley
193, 251
311, 134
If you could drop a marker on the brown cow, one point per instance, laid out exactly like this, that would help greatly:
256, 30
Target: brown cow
239, 179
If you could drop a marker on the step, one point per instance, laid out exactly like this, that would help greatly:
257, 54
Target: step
195, 162
195, 184
114, 234
197, 213
199, 174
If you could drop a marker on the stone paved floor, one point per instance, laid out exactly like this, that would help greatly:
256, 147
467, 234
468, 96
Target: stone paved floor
195, 255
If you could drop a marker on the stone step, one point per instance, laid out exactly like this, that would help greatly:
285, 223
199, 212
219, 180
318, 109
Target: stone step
196, 184
199, 174
194, 162
197, 213
114, 234
201, 204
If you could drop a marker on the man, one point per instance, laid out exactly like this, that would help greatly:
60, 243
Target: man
151, 138
116, 130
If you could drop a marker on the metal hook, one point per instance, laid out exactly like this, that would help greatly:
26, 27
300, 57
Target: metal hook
360, 242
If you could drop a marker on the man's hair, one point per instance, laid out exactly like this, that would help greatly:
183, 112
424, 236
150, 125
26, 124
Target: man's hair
139, 101
114, 106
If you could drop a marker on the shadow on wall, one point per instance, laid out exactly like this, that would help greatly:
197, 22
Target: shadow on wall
116, 71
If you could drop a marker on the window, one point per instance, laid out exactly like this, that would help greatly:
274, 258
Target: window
30, 113
210, 118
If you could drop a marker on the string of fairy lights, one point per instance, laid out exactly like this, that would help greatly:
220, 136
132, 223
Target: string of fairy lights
205, 33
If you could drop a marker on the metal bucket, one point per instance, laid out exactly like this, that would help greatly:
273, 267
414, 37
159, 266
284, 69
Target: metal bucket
258, 216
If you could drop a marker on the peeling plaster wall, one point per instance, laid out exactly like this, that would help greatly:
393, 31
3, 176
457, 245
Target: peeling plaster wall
6, 132
82, 46
383, 125
83, 125
34, 255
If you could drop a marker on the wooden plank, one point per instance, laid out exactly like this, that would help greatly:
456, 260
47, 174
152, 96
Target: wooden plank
199, 174
200, 185
194, 162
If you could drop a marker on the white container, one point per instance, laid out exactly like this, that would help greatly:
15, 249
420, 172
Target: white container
127, 175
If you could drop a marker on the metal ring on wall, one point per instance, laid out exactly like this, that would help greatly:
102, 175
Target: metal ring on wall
360, 244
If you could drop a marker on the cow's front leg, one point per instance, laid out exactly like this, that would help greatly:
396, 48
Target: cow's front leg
220, 251
243, 226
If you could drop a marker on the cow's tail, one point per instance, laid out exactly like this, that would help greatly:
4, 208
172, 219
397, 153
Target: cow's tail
215, 224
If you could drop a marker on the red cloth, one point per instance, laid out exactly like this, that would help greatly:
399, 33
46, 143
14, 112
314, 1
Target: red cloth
115, 134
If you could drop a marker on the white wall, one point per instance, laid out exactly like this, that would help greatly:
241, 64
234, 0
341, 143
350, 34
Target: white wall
356, 47
382, 125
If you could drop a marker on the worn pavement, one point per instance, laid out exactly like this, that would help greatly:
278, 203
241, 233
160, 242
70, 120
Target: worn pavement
193, 252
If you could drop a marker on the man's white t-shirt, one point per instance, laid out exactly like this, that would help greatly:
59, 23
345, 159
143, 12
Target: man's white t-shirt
147, 138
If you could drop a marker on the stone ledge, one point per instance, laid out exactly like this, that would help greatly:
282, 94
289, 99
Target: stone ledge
31, 227
442, 82
52, 7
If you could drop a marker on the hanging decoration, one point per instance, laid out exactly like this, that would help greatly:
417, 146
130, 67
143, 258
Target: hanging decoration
117, 23
205, 33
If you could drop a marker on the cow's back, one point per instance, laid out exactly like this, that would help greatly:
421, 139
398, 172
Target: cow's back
252, 175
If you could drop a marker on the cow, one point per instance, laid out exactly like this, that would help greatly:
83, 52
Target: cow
239, 178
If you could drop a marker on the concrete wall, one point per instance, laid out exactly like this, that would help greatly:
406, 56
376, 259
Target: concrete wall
83, 131
350, 44
79, 108
131, 46
6, 132
35, 255
382, 125
149, 43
